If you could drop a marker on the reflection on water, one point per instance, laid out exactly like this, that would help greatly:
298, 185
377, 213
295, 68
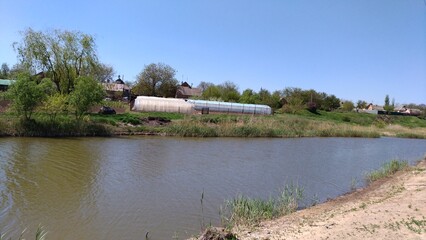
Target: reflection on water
121, 188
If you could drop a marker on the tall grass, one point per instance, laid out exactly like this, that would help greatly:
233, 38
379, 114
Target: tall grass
247, 211
388, 169
263, 126
39, 235
42, 126
304, 124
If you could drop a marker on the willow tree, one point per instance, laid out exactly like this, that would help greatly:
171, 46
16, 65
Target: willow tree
62, 55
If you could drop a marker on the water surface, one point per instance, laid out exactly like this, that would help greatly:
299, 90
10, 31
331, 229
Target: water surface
122, 188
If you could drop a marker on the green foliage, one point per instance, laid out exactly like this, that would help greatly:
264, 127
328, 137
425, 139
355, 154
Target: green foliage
289, 198
229, 92
4, 71
62, 126
388, 107
348, 106
386, 170
212, 93
156, 80
54, 105
65, 55
387, 100
249, 97
26, 95
294, 104
313, 100
87, 92
361, 104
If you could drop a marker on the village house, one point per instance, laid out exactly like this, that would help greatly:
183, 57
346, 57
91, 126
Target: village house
186, 91
408, 111
374, 109
117, 90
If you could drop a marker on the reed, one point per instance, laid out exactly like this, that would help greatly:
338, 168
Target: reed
247, 211
388, 169
39, 235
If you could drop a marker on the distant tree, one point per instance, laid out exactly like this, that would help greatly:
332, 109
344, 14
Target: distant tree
204, 85
314, 99
229, 92
275, 101
249, 96
103, 72
212, 93
294, 104
87, 92
266, 98
361, 104
26, 95
348, 106
388, 107
62, 55
16, 70
156, 80
331, 103
5, 71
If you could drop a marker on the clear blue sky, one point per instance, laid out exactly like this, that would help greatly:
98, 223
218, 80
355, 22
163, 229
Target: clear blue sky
355, 49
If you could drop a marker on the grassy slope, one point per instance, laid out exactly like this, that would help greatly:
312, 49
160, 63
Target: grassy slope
304, 124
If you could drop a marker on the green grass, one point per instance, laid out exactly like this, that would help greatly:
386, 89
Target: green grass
43, 126
39, 235
262, 126
364, 119
388, 169
243, 210
303, 124
410, 135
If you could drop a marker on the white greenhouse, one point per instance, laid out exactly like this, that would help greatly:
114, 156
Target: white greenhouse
227, 107
156, 104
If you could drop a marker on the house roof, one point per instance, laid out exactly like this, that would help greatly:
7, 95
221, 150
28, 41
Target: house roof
6, 82
115, 87
375, 107
187, 91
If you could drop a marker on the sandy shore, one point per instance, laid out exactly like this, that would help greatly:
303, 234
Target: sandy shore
393, 208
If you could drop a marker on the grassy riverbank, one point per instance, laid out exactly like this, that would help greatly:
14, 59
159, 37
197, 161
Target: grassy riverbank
245, 211
392, 208
391, 205
305, 124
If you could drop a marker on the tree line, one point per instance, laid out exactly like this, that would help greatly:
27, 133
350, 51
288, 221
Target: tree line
55, 66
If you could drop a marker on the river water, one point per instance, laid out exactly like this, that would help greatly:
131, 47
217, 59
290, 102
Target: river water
122, 188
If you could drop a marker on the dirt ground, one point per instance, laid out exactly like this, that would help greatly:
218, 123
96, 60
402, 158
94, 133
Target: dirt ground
393, 208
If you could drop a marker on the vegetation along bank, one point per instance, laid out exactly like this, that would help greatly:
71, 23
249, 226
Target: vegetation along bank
59, 85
